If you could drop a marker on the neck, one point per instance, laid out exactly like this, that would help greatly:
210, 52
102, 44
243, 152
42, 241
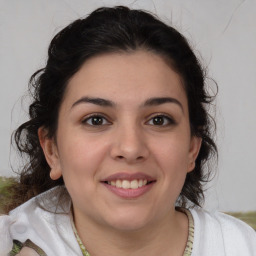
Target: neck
165, 237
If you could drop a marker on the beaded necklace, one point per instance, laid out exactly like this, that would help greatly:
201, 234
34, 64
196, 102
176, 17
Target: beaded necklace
189, 245
82, 247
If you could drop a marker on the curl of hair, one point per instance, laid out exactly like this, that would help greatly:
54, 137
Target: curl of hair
108, 30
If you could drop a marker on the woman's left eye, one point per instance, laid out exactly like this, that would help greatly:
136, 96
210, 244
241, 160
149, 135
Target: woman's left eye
161, 120
95, 120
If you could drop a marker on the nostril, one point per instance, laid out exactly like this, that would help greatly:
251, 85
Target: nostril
138, 158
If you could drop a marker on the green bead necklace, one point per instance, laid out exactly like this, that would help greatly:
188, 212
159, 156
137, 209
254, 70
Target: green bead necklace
188, 249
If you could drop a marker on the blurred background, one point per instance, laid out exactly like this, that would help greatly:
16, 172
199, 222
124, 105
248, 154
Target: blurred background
223, 36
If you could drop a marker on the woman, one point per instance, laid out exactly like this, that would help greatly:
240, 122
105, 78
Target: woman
117, 143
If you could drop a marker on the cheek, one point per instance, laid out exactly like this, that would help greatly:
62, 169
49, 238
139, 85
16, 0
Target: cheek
81, 156
81, 162
172, 157
172, 153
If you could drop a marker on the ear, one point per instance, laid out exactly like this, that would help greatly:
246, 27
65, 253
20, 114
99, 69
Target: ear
50, 152
195, 145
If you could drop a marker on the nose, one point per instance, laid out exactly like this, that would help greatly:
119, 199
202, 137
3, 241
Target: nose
129, 145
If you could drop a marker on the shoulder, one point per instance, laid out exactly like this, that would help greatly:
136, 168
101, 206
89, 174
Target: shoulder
44, 220
224, 233
17, 227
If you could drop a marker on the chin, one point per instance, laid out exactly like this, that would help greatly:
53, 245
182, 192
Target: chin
129, 221
125, 226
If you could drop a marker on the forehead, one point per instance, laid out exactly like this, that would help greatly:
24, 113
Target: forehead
122, 77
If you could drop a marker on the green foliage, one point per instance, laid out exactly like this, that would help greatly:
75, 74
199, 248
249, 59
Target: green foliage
5, 184
5, 190
248, 217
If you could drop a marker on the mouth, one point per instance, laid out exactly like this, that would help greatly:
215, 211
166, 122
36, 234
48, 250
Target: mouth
129, 184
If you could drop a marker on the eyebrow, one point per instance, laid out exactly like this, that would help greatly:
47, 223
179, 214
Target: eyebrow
162, 100
96, 101
108, 103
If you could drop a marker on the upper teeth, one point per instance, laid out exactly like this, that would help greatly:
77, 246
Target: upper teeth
126, 184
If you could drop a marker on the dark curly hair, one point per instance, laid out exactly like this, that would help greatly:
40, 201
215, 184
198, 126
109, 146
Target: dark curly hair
108, 30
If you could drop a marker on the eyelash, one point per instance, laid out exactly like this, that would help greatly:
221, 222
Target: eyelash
91, 117
166, 120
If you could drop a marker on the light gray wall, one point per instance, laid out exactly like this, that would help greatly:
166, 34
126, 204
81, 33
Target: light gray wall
222, 31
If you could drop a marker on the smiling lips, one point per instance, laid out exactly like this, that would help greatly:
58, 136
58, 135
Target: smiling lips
129, 185
126, 184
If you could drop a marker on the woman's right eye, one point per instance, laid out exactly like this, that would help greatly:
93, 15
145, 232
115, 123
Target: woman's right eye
95, 120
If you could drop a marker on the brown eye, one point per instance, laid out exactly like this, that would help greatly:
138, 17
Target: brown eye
158, 120
95, 120
161, 120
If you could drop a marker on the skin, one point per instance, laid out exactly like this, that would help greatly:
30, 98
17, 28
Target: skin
27, 252
130, 141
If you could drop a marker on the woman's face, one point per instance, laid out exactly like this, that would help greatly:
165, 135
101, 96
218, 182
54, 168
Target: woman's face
123, 140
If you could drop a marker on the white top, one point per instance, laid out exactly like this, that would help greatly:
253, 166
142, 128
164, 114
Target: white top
215, 234
218, 234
